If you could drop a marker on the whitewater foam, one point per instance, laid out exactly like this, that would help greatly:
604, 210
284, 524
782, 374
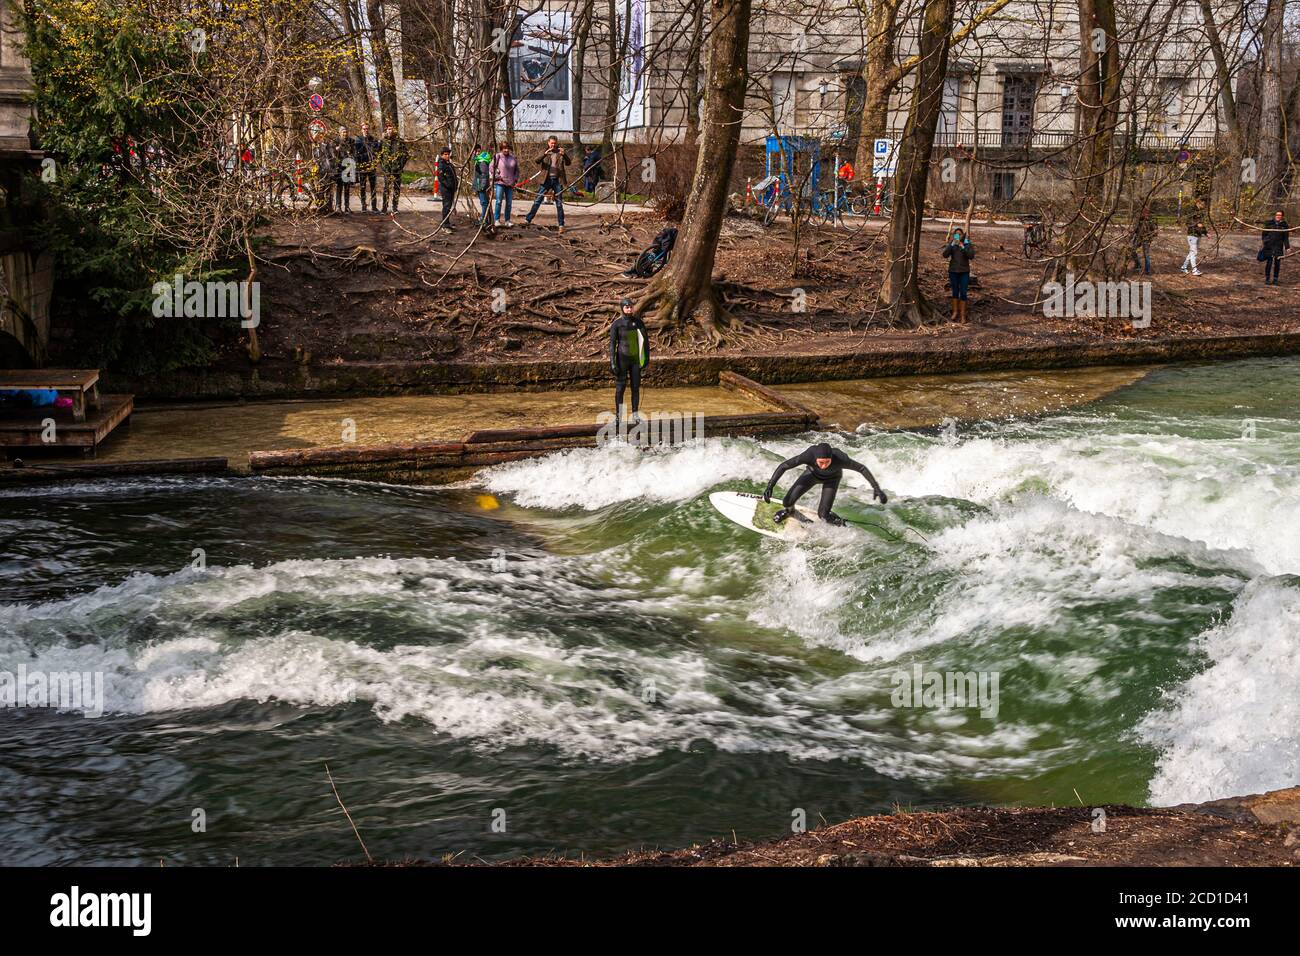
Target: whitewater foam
1234, 728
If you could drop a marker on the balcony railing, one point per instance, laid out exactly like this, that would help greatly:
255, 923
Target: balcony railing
1055, 139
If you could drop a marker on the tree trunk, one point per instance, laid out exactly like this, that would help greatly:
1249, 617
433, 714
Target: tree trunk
617, 53
1099, 94
356, 76
880, 75
1222, 75
693, 90
384, 77
581, 34
507, 99
685, 288
1270, 102
900, 295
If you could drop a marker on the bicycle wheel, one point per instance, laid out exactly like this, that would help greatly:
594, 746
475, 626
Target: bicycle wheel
647, 264
769, 214
826, 211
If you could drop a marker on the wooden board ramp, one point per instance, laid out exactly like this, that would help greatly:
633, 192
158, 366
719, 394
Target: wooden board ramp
438, 462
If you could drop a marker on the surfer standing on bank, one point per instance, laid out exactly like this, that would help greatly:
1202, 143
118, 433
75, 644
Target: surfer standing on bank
825, 466
629, 354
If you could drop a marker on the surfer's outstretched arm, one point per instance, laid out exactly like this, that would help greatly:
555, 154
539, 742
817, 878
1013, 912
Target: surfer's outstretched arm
865, 472
781, 469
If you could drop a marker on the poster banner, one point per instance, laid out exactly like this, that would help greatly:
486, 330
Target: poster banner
540, 83
631, 94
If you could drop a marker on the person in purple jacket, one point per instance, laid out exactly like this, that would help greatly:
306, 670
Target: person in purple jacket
505, 174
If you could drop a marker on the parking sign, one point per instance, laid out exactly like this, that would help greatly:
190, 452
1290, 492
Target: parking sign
884, 157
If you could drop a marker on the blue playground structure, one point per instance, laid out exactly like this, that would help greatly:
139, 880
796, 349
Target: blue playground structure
790, 162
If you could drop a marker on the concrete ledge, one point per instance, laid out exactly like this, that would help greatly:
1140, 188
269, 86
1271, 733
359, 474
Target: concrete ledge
280, 379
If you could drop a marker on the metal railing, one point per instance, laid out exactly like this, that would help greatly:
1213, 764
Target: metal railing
1055, 139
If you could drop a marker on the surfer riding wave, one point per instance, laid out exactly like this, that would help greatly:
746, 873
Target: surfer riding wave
825, 466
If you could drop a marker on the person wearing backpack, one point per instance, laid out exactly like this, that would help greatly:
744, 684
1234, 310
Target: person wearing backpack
481, 180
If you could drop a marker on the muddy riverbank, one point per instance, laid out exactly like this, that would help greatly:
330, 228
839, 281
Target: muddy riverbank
1256, 830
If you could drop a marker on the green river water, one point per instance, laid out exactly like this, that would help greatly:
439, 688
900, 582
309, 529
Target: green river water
604, 662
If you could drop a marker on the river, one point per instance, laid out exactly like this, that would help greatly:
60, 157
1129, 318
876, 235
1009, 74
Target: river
578, 654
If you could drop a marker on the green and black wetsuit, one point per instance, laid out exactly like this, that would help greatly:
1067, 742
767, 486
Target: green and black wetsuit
629, 354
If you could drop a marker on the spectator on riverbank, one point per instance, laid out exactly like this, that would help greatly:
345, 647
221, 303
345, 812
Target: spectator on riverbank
345, 170
322, 155
505, 174
1195, 230
447, 185
1144, 233
592, 170
393, 155
482, 182
1277, 240
552, 164
366, 151
959, 251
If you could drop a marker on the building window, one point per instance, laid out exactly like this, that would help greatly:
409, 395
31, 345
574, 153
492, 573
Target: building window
1169, 109
946, 132
1018, 95
1004, 185
818, 105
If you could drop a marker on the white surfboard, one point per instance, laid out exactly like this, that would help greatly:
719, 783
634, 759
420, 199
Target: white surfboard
752, 512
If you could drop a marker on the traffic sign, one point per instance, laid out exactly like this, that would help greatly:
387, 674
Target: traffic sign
317, 102
884, 157
317, 127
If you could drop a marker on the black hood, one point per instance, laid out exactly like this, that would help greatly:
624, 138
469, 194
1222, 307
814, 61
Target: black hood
822, 450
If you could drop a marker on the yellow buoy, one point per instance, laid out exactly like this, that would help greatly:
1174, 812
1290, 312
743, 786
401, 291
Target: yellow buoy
488, 502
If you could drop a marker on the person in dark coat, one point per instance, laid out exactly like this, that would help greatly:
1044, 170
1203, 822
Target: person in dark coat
1277, 240
393, 155
592, 170
365, 149
959, 251
448, 182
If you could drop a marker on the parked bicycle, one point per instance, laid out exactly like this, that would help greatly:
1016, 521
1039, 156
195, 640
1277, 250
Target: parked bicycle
1035, 238
832, 207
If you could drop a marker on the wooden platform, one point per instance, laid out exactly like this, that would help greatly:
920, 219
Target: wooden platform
25, 428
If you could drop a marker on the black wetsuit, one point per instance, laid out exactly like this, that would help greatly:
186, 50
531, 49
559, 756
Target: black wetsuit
829, 479
624, 362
